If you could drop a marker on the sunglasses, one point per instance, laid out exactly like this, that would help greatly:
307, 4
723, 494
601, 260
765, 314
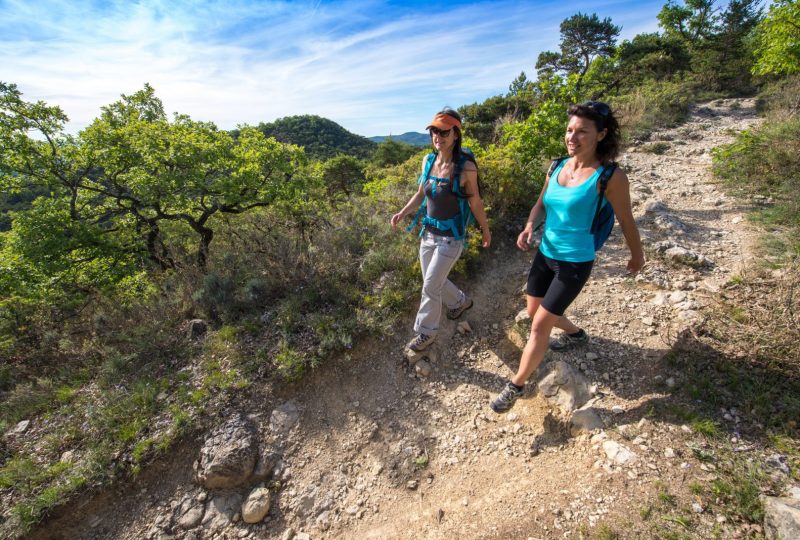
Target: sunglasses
440, 132
599, 107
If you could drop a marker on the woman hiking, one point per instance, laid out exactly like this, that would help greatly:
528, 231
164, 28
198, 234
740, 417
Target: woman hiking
564, 261
449, 176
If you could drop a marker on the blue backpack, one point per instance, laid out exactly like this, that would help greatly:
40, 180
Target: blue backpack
603, 220
457, 224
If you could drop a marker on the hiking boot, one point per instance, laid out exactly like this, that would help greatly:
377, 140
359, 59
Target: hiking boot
420, 342
455, 313
506, 399
566, 341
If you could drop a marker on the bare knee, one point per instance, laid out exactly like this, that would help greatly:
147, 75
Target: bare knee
540, 330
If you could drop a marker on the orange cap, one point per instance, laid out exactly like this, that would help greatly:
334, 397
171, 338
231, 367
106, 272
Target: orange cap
444, 121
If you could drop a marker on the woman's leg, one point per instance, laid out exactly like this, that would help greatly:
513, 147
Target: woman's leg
552, 286
538, 341
441, 254
566, 325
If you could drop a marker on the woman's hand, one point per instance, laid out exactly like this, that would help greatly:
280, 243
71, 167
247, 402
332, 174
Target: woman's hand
396, 219
635, 264
487, 237
525, 239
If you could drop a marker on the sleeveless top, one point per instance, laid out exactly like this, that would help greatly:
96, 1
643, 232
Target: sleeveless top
442, 202
570, 211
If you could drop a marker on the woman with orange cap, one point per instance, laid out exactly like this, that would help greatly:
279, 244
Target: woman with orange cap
447, 174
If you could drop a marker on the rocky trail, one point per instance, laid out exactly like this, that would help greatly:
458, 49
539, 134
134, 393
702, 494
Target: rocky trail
382, 447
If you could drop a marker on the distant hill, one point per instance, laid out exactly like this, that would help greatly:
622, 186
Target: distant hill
410, 137
322, 138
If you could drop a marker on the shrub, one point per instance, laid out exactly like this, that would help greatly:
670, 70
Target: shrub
652, 106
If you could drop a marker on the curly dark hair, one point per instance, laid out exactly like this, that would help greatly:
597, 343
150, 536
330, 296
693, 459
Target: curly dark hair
603, 118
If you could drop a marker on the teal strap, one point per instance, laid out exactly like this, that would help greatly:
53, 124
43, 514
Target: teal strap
422, 179
444, 225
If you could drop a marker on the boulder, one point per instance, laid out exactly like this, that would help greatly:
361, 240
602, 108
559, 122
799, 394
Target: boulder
228, 457
257, 505
781, 517
563, 385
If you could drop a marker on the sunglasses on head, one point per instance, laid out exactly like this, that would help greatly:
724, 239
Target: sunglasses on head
599, 107
440, 132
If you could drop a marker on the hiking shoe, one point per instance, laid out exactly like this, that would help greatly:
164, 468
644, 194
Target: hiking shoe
420, 342
566, 341
506, 399
455, 313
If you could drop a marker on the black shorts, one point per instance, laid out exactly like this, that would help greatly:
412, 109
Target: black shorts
558, 283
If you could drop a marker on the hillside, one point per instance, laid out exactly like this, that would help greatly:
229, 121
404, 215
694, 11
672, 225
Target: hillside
371, 447
409, 137
321, 138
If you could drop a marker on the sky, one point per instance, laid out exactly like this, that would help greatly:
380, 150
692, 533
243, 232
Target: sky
376, 68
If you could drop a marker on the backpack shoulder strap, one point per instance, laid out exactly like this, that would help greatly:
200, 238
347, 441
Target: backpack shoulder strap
554, 164
426, 171
605, 176
457, 175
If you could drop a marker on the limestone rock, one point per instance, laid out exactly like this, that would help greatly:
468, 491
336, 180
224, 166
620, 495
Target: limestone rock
189, 513
257, 505
221, 511
564, 386
584, 421
618, 454
781, 517
228, 456
284, 418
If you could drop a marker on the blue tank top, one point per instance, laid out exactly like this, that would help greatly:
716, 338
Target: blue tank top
570, 211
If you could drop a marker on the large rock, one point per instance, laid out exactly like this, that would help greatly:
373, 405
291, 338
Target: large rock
221, 511
257, 505
584, 421
564, 386
228, 456
284, 418
618, 454
189, 513
781, 517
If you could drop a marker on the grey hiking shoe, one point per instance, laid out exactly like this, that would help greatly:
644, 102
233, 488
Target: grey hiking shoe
455, 313
506, 399
420, 342
566, 341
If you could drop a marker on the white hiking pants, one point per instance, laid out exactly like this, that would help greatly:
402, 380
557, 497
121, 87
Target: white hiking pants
437, 255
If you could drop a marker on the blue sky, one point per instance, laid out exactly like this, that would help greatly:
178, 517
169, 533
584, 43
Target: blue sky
374, 67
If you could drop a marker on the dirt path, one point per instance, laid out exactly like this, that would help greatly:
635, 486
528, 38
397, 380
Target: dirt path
380, 452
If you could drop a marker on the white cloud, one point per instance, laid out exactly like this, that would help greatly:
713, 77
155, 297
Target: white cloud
372, 67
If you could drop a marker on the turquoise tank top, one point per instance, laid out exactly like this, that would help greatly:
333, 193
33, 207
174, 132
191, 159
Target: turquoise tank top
570, 211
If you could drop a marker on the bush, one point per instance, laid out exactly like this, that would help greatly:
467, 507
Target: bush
766, 162
652, 106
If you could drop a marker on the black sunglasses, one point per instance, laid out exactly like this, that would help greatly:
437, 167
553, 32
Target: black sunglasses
599, 107
440, 132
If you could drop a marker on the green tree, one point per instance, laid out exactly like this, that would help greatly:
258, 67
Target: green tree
717, 38
777, 48
391, 152
692, 22
132, 172
583, 38
343, 174
651, 56
541, 135
484, 121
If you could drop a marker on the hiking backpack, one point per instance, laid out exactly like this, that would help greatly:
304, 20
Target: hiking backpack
457, 224
603, 220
